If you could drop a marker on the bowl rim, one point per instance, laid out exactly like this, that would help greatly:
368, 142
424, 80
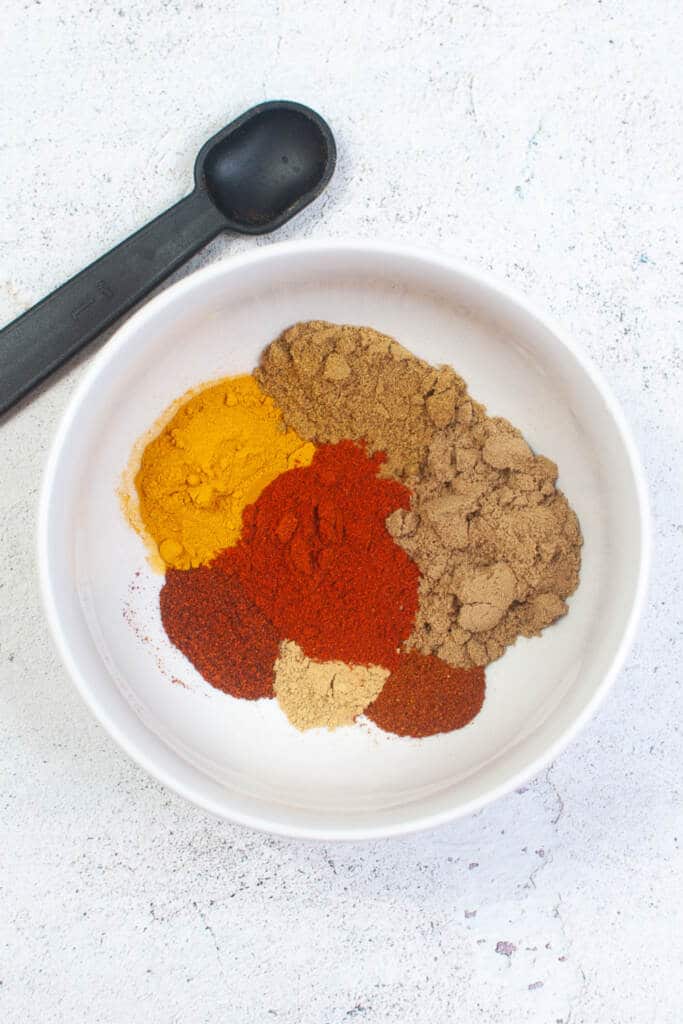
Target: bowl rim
413, 823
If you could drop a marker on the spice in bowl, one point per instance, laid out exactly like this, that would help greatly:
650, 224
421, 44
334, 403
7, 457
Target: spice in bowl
348, 532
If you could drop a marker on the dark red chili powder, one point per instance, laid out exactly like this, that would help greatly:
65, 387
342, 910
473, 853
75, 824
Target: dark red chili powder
424, 696
207, 616
316, 558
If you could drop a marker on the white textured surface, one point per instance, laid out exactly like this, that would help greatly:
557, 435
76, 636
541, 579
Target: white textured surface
540, 140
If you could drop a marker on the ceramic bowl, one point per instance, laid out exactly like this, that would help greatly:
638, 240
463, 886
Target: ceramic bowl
242, 760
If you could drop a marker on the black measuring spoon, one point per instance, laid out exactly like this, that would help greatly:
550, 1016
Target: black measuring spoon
251, 177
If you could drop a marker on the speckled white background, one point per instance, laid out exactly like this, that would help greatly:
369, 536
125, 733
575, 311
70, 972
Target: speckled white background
539, 139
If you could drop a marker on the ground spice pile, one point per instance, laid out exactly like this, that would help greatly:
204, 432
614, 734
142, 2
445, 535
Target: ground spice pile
335, 381
326, 694
497, 545
214, 457
208, 616
316, 557
423, 689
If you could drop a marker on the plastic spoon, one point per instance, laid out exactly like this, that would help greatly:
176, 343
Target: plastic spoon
251, 177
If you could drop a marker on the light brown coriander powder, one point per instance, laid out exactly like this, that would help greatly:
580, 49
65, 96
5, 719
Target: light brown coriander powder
497, 544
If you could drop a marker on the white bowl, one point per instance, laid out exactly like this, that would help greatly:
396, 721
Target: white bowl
242, 760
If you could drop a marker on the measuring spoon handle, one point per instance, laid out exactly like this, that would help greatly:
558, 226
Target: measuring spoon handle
64, 322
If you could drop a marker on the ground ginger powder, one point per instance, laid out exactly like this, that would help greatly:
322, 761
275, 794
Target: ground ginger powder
325, 694
215, 456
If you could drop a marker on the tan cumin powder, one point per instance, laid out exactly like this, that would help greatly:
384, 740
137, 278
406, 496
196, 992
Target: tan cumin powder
336, 381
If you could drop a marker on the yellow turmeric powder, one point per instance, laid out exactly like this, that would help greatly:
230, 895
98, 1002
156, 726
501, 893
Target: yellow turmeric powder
214, 457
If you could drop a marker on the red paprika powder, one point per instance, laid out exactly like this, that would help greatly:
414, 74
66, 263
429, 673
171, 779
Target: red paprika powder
208, 617
424, 696
317, 560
